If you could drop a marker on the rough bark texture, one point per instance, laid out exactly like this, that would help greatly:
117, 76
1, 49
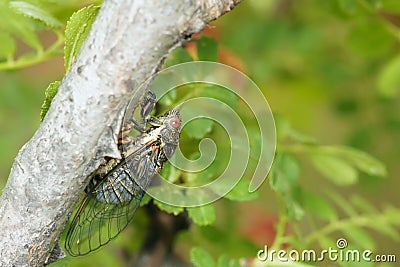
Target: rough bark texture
127, 43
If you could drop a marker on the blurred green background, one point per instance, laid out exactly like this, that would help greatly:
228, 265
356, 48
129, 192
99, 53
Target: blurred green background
331, 67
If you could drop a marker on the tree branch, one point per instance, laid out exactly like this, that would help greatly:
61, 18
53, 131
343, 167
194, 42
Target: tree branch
128, 42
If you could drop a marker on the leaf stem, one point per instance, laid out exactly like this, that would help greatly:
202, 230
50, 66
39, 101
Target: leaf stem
359, 220
40, 55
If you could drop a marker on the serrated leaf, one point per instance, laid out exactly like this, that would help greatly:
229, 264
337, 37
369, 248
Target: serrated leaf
203, 215
389, 78
36, 13
49, 94
225, 261
284, 173
168, 208
8, 45
241, 192
201, 258
319, 206
207, 48
363, 161
337, 170
359, 237
78, 27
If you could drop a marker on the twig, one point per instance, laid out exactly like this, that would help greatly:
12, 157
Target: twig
128, 42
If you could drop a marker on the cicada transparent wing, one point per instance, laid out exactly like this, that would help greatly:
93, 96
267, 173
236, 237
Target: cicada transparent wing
110, 206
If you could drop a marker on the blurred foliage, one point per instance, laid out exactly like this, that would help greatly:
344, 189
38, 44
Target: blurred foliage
330, 71
20, 28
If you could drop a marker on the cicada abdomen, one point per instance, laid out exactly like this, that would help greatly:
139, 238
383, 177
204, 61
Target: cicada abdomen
117, 187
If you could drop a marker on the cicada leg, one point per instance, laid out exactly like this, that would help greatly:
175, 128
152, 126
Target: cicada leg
147, 105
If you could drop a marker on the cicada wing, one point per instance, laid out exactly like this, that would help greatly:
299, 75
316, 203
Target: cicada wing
95, 222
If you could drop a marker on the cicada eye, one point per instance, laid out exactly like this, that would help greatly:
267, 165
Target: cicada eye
175, 123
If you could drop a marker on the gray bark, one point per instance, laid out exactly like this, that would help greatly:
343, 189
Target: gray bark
128, 42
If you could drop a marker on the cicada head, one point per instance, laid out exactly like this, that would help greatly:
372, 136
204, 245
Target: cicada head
171, 127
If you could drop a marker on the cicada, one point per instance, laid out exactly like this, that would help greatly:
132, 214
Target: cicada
118, 185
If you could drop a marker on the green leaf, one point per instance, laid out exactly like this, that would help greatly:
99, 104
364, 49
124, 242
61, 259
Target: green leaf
218, 92
334, 168
178, 56
389, 78
388, 5
302, 138
203, 215
168, 99
319, 206
8, 45
342, 203
285, 130
377, 4
145, 200
35, 12
163, 193
168, 208
359, 237
207, 48
49, 94
393, 214
201, 258
362, 204
225, 261
198, 128
386, 223
363, 161
170, 173
349, 7
295, 210
241, 192
283, 127
359, 38
327, 241
384, 227
284, 173
78, 27
20, 26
